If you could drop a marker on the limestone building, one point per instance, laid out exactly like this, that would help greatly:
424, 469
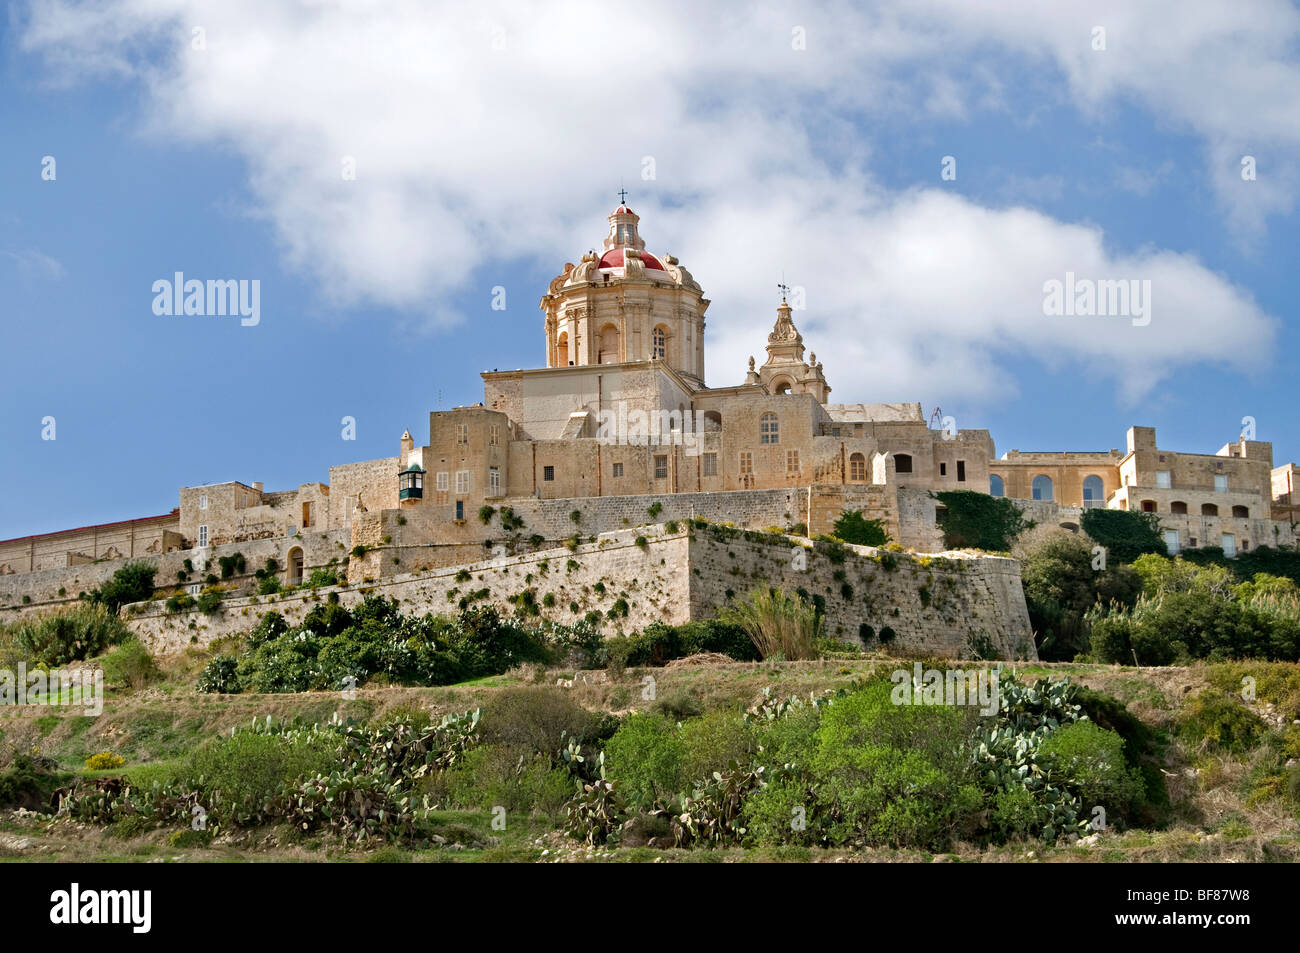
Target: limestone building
619, 417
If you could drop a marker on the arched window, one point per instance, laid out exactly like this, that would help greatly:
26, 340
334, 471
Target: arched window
712, 421
1209, 509
562, 350
608, 353
1178, 508
295, 566
1241, 513
857, 468
781, 386
1042, 487
902, 463
659, 344
768, 431
996, 486
1094, 491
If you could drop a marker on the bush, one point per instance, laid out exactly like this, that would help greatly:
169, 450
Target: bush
29, 783
1213, 722
105, 761
645, 757
714, 740
70, 635
894, 774
132, 583
853, 527
240, 774
219, 676
535, 719
1093, 759
209, 602
181, 602
779, 624
130, 664
1126, 534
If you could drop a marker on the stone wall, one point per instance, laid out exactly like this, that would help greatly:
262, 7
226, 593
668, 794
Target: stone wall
947, 605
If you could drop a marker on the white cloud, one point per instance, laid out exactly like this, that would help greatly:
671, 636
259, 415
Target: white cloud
495, 133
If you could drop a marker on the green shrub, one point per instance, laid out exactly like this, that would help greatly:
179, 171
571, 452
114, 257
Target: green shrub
645, 757
853, 527
219, 676
536, 719
29, 783
132, 583
1214, 722
130, 664
712, 741
1126, 534
180, 602
209, 602
895, 774
69, 634
1093, 759
239, 774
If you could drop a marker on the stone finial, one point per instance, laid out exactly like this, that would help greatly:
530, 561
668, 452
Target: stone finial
751, 362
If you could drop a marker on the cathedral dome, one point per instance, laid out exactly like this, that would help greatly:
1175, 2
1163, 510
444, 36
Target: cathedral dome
614, 259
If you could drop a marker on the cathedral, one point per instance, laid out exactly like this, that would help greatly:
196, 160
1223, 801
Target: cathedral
619, 419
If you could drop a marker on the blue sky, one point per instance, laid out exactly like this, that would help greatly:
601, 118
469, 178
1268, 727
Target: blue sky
493, 164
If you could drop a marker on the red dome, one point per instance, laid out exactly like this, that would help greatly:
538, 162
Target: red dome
622, 209
614, 259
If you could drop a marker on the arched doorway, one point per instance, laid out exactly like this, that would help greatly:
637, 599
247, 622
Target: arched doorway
295, 566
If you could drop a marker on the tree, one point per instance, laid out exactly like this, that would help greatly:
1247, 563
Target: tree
132, 583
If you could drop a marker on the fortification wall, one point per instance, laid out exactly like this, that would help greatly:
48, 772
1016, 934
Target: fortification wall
952, 605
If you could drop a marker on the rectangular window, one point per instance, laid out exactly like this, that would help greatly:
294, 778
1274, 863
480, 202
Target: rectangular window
494, 480
460, 509
746, 462
943, 469
618, 470
306, 515
462, 433
494, 434
462, 482
548, 474
1220, 483
709, 464
442, 481
961, 471
203, 502
1163, 480
661, 467
792, 462
203, 536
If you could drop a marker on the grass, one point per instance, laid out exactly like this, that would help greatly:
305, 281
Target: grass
1218, 813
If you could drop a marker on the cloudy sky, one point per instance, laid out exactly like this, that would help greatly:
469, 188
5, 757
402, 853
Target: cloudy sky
918, 169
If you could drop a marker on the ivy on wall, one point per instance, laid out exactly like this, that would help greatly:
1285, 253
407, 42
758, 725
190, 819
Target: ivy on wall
978, 521
1126, 534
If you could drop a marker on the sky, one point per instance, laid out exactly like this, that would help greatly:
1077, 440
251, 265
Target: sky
920, 172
